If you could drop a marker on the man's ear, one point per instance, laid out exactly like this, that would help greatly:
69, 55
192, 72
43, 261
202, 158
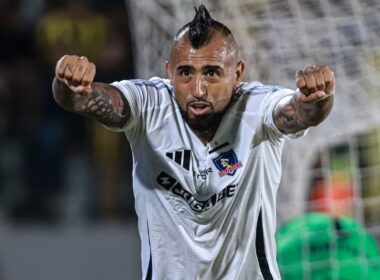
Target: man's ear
239, 72
168, 68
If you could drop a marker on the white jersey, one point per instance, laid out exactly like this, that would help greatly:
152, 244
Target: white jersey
205, 211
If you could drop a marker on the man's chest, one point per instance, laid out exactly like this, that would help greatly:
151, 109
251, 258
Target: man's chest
184, 166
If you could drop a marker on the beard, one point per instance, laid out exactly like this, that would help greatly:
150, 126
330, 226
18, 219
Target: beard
202, 124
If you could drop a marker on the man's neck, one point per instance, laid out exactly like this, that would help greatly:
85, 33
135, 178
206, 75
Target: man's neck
206, 135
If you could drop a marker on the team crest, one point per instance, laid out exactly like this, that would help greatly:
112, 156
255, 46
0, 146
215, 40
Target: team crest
227, 163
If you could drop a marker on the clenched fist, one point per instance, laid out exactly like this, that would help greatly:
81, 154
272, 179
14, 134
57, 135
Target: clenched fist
315, 83
76, 72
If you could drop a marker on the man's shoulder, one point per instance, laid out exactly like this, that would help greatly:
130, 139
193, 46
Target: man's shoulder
144, 93
153, 83
255, 96
255, 88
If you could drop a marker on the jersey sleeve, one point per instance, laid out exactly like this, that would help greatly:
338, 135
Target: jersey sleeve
265, 99
144, 98
272, 98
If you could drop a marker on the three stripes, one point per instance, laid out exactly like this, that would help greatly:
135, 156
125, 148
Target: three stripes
182, 157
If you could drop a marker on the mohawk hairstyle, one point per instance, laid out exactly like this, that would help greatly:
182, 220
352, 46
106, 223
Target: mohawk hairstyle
201, 28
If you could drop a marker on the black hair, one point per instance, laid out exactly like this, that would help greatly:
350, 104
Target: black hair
202, 28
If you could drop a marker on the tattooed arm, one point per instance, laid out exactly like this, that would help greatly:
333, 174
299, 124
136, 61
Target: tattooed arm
74, 90
311, 103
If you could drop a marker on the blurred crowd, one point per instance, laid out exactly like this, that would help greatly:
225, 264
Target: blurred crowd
55, 166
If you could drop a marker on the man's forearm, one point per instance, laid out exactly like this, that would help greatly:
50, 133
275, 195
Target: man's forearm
291, 115
104, 103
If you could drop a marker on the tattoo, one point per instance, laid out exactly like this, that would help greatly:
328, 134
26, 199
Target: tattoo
291, 115
107, 105
285, 117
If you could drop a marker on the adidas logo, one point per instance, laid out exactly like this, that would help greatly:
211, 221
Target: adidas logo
182, 157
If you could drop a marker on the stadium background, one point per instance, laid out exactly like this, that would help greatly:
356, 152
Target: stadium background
66, 205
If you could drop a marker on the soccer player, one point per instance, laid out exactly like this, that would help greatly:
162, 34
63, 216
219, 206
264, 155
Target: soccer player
206, 150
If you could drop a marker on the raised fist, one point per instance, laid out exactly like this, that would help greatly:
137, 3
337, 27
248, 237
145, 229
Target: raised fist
76, 72
315, 83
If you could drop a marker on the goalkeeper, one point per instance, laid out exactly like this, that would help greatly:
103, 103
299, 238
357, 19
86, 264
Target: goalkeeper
206, 150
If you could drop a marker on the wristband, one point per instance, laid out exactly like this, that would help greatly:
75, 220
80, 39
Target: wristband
327, 95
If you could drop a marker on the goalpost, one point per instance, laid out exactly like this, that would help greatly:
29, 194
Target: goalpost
336, 167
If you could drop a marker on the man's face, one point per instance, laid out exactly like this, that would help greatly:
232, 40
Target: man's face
204, 79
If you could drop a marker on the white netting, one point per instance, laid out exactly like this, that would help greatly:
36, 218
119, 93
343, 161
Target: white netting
276, 38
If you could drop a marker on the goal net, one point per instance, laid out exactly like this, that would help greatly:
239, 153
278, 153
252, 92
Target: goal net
336, 168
